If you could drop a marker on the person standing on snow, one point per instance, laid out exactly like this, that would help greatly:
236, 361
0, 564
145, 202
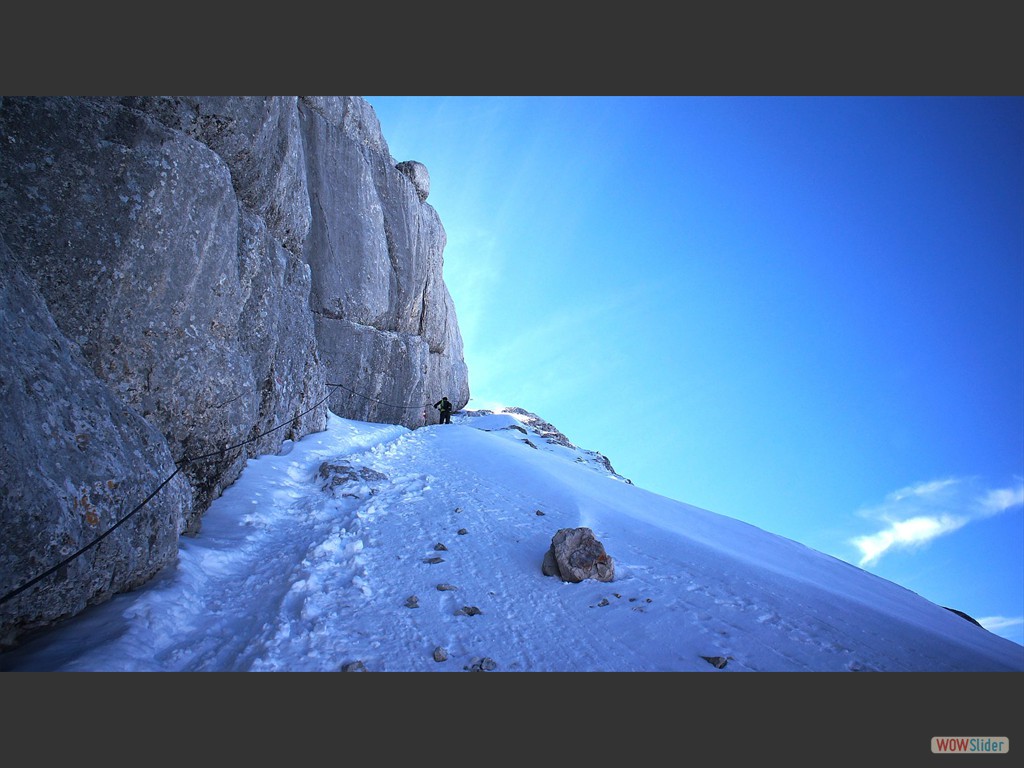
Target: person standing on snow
445, 407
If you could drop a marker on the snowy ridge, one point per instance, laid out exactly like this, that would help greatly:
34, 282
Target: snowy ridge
382, 548
534, 427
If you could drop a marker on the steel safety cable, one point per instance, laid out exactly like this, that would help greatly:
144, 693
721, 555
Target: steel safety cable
179, 466
381, 402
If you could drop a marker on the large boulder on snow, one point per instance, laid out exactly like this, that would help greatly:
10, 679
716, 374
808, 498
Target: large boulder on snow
575, 555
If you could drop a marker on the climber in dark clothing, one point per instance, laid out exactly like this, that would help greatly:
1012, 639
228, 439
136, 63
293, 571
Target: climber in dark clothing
445, 408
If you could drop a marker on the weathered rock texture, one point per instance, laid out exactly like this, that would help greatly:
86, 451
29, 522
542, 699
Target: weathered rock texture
576, 554
184, 279
75, 458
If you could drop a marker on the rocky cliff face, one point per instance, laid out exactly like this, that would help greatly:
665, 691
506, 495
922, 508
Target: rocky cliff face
187, 281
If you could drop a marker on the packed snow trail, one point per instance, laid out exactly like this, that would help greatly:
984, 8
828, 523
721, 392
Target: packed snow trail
238, 573
376, 547
451, 540
362, 550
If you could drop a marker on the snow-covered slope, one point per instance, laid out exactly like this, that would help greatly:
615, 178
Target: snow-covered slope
375, 547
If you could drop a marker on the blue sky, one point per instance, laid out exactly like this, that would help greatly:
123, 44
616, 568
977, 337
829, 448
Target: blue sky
821, 300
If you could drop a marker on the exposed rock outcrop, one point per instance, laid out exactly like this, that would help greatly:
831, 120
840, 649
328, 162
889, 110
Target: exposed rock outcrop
206, 268
538, 427
417, 173
966, 616
343, 479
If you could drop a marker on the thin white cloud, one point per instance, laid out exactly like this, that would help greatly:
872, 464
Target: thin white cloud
1000, 500
920, 513
998, 624
905, 534
922, 490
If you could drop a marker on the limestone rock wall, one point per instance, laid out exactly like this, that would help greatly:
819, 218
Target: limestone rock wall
384, 318
75, 460
208, 266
